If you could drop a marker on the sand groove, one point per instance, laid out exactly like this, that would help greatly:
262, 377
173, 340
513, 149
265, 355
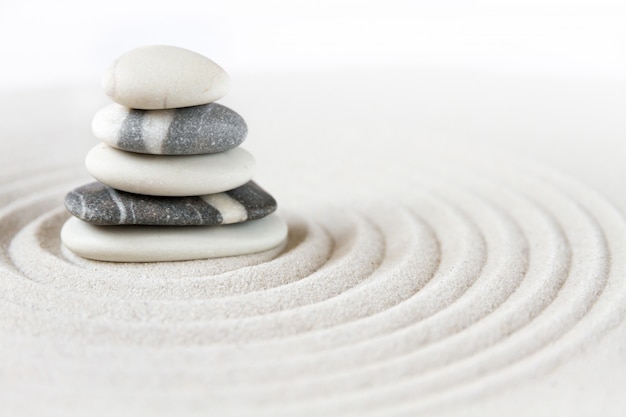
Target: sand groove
402, 304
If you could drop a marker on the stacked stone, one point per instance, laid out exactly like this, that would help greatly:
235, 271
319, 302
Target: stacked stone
172, 181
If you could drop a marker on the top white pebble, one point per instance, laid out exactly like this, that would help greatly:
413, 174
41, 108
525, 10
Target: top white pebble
164, 77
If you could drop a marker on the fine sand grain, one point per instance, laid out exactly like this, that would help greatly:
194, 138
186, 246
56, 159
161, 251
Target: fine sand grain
429, 269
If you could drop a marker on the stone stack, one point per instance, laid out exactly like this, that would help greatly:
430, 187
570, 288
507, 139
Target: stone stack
173, 183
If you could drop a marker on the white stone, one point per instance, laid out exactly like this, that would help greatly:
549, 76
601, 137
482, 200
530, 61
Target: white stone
175, 176
164, 77
172, 243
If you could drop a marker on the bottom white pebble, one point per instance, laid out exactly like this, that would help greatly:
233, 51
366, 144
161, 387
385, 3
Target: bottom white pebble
170, 243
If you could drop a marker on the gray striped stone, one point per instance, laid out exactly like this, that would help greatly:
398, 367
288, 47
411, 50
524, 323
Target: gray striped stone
204, 129
102, 205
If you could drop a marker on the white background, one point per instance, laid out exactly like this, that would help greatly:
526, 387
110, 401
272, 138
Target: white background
46, 42
576, 125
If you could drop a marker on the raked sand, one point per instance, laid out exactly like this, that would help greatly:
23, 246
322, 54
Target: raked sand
457, 246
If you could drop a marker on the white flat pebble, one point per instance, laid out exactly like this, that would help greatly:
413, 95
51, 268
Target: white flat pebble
170, 176
164, 77
163, 243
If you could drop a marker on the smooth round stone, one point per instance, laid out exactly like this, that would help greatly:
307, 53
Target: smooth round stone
164, 77
172, 176
162, 243
208, 128
100, 204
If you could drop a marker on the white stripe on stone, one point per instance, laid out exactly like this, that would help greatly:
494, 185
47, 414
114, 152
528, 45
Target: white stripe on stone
119, 204
191, 206
83, 205
107, 122
232, 210
154, 129
132, 211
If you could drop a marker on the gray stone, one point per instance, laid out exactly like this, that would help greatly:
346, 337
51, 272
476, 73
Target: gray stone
100, 204
204, 129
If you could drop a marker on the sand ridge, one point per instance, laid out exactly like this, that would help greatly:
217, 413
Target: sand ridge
396, 306
453, 277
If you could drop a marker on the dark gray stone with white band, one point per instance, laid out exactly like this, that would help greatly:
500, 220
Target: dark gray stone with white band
102, 205
209, 128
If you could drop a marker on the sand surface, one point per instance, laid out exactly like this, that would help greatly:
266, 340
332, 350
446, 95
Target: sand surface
457, 247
